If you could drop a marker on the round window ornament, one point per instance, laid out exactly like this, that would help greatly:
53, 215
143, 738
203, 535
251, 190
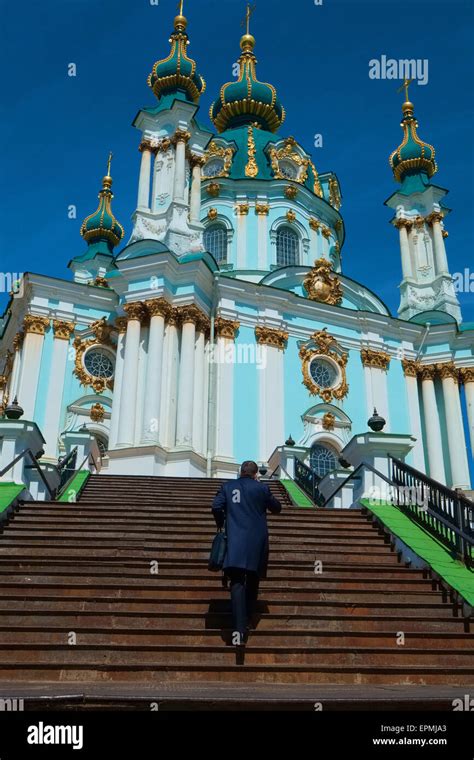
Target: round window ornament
99, 364
324, 373
214, 168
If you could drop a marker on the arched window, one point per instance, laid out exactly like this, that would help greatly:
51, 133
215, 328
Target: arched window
323, 459
215, 241
287, 247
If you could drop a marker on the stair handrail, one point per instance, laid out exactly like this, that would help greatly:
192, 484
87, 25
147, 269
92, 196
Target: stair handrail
308, 481
86, 459
446, 506
63, 466
35, 464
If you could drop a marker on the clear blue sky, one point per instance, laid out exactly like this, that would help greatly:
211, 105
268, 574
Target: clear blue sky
56, 131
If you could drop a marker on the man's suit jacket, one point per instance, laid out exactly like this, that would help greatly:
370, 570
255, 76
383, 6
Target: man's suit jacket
243, 504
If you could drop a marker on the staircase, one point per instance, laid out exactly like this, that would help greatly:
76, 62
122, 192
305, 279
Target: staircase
81, 609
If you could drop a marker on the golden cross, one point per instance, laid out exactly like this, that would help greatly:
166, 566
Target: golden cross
109, 163
405, 87
246, 21
180, 7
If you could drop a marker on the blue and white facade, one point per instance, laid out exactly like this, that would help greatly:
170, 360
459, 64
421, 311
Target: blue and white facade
226, 324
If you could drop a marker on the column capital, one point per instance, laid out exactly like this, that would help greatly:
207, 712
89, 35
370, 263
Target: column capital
63, 330
242, 209
268, 336
226, 328
158, 307
427, 371
196, 160
448, 370
35, 325
181, 135
262, 209
121, 324
190, 314
18, 341
435, 216
135, 311
377, 359
411, 368
401, 223
466, 374
146, 145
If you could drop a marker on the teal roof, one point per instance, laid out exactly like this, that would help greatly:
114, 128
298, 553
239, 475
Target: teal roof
177, 72
413, 156
247, 101
238, 138
102, 227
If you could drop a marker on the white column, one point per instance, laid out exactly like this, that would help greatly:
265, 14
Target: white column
262, 236
314, 239
199, 405
454, 424
224, 413
376, 364
195, 208
410, 369
158, 309
52, 417
15, 379
121, 324
35, 328
169, 400
432, 425
184, 421
467, 374
180, 166
326, 234
144, 181
128, 402
402, 225
242, 212
271, 391
441, 259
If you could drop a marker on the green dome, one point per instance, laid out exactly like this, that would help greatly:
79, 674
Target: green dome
413, 156
247, 101
177, 73
102, 226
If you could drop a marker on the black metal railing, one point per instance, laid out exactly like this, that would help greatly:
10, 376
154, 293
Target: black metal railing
89, 459
67, 468
446, 514
34, 465
308, 481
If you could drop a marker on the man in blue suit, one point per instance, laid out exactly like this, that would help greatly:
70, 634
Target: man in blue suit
242, 504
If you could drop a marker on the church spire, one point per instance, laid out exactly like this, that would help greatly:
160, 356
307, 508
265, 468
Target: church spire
247, 101
177, 72
102, 227
413, 157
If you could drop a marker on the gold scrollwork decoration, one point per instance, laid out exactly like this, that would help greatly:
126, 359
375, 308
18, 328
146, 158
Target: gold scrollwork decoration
102, 338
322, 344
218, 151
323, 286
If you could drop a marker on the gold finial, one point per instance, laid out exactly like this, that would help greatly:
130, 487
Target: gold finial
180, 22
107, 181
247, 43
407, 106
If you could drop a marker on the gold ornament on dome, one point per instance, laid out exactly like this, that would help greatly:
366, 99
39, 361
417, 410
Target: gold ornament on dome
334, 194
291, 192
323, 286
212, 214
102, 338
291, 216
289, 154
323, 345
251, 170
97, 413
226, 154
213, 189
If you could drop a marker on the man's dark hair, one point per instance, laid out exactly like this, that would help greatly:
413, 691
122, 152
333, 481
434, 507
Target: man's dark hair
248, 469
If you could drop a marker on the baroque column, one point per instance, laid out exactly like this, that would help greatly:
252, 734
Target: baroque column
180, 139
201, 370
197, 162
241, 210
262, 210
159, 309
184, 423
454, 423
121, 327
17, 348
403, 226
128, 404
376, 364
432, 424
411, 369
271, 389
225, 331
35, 329
441, 260
143, 202
467, 377
169, 401
52, 418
